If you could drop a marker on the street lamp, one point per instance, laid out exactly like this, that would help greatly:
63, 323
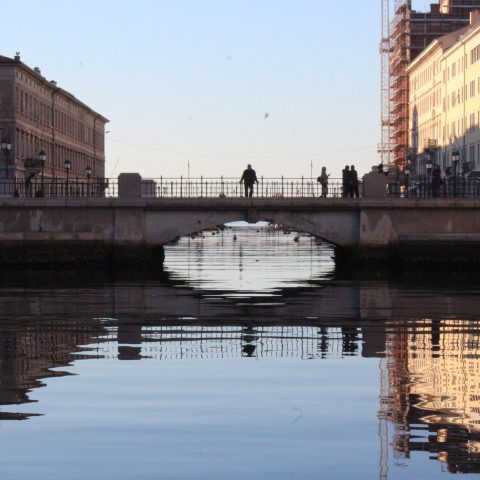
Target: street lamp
407, 173
88, 174
429, 166
67, 164
42, 158
455, 160
6, 147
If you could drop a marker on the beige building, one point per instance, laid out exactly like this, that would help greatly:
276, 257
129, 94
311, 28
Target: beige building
434, 379
42, 126
444, 101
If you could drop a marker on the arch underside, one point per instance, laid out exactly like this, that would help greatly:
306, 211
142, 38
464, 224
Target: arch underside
338, 228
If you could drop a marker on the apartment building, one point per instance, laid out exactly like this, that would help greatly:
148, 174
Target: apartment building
444, 101
411, 32
42, 126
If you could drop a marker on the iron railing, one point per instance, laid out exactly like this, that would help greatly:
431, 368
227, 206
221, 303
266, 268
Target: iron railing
208, 187
231, 187
163, 187
421, 187
59, 188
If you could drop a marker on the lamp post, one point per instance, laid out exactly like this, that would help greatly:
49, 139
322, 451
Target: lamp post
6, 147
88, 174
67, 165
455, 160
42, 158
429, 166
407, 180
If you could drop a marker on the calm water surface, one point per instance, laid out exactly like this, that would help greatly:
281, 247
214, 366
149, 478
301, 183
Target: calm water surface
246, 358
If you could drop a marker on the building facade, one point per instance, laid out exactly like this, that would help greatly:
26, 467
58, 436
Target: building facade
42, 126
411, 32
444, 102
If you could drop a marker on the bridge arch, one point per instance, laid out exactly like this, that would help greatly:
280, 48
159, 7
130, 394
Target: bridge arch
338, 228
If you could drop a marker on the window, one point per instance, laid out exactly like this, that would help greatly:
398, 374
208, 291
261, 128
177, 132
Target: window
475, 54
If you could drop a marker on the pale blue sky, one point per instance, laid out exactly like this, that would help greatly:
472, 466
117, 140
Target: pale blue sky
192, 80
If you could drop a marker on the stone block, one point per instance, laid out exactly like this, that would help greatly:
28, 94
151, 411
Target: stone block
129, 185
374, 185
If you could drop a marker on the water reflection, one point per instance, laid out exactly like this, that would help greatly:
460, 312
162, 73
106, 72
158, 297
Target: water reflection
434, 391
423, 330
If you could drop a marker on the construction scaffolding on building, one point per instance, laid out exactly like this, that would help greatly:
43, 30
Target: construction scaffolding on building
385, 148
399, 80
403, 40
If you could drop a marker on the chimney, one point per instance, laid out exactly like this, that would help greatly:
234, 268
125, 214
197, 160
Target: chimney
37, 70
474, 17
17, 56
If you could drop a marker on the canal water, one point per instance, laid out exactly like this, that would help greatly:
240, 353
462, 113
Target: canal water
248, 356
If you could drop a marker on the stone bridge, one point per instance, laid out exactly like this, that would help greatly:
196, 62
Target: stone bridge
134, 229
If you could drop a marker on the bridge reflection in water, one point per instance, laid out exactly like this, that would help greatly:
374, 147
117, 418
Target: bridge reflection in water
206, 342
424, 333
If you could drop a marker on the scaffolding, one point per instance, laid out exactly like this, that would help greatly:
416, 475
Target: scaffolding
399, 80
385, 148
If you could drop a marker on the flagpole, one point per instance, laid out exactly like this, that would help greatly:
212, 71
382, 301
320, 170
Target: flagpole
311, 176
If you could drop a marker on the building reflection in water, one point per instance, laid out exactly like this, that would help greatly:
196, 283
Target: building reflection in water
433, 370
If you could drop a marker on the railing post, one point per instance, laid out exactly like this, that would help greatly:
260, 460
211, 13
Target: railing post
302, 188
221, 185
181, 186
282, 185
261, 183
201, 186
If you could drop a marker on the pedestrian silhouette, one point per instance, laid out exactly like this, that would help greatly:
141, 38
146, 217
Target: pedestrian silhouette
345, 181
323, 179
353, 183
249, 178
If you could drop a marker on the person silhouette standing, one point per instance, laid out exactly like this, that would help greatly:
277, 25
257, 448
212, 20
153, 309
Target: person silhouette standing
323, 179
249, 178
353, 184
345, 181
